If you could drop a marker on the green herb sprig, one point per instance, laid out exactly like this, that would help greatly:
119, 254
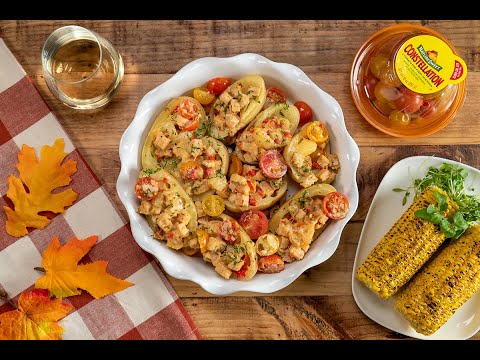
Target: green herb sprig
450, 179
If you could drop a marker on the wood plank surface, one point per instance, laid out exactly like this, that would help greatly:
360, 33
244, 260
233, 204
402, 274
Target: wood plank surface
319, 304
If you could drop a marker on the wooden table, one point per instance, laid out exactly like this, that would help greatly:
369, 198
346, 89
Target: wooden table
319, 305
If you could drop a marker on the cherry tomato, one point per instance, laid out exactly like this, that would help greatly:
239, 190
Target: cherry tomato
429, 108
385, 93
188, 109
213, 205
276, 95
236, 166
243, 270
384, 107
399, 117
202, 237
305, 111
218, 85
378, 65
271, 264
192, 125
203, 96
389, 76
146, 188
408, 101
272, 164
317, 132
230, 231
369, 84
254, 222
335, 205
191, 170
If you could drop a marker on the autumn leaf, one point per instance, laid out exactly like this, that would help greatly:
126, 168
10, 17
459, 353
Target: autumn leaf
40, 178
35, 319
64, 277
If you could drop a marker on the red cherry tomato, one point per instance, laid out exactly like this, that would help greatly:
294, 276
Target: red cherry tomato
255, 223
218, 85
408, 101
272, 164
305, 111
335, 205
429, 108
276, 95
271, 264
146, 188
243, 270
369, 84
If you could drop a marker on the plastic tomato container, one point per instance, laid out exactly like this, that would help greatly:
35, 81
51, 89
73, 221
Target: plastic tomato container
408, 81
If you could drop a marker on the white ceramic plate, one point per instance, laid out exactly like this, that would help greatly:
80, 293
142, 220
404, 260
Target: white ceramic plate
299, 87
385, 209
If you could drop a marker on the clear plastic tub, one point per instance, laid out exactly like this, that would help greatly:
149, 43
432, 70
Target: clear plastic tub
408, 81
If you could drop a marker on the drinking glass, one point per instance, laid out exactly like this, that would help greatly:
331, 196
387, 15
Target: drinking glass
81, 68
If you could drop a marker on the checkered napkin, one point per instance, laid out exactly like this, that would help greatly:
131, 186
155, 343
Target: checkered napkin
148, 310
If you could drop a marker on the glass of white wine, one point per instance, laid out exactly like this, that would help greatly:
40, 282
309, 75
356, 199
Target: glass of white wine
81, 68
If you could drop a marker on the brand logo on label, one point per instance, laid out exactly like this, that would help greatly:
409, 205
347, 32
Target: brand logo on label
425, 64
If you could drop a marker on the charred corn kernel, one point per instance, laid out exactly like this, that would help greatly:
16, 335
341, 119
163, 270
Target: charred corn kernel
404, 249
440, 288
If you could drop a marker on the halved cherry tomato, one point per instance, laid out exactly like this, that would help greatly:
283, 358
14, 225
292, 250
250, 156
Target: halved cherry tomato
230, 231
213, 205
305, 111
192, 125
272, 164
276, 95
146, 188
202, 237
236, 166
218, 85
191, 170
408, 102
271, 264
335, 205
203, 96
317, 132
187, 109
254, 222
243, 270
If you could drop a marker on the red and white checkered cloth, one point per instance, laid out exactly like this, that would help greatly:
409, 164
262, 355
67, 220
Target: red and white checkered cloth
148, 310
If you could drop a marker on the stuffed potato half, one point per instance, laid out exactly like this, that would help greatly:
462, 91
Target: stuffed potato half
225, 244
308, 156
169, 210
199, 164
273, 128
299, 221
236, 107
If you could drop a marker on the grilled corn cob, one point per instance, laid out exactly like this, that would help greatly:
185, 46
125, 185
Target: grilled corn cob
404, 249
439, 289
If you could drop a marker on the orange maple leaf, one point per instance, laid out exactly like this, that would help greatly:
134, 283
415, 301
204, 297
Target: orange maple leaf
63, 276
35, 319
41, 178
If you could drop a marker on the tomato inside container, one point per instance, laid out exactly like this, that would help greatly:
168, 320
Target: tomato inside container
408, 81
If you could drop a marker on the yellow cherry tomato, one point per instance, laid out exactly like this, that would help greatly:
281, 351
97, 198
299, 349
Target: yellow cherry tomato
378, 65
202, 237
399, 118
236, 166
202, 95
317, 132
213, 205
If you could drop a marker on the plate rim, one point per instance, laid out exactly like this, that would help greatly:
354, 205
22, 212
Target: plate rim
355, 282
242, 285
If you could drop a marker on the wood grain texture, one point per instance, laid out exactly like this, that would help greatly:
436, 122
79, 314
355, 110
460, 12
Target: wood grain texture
319, 304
